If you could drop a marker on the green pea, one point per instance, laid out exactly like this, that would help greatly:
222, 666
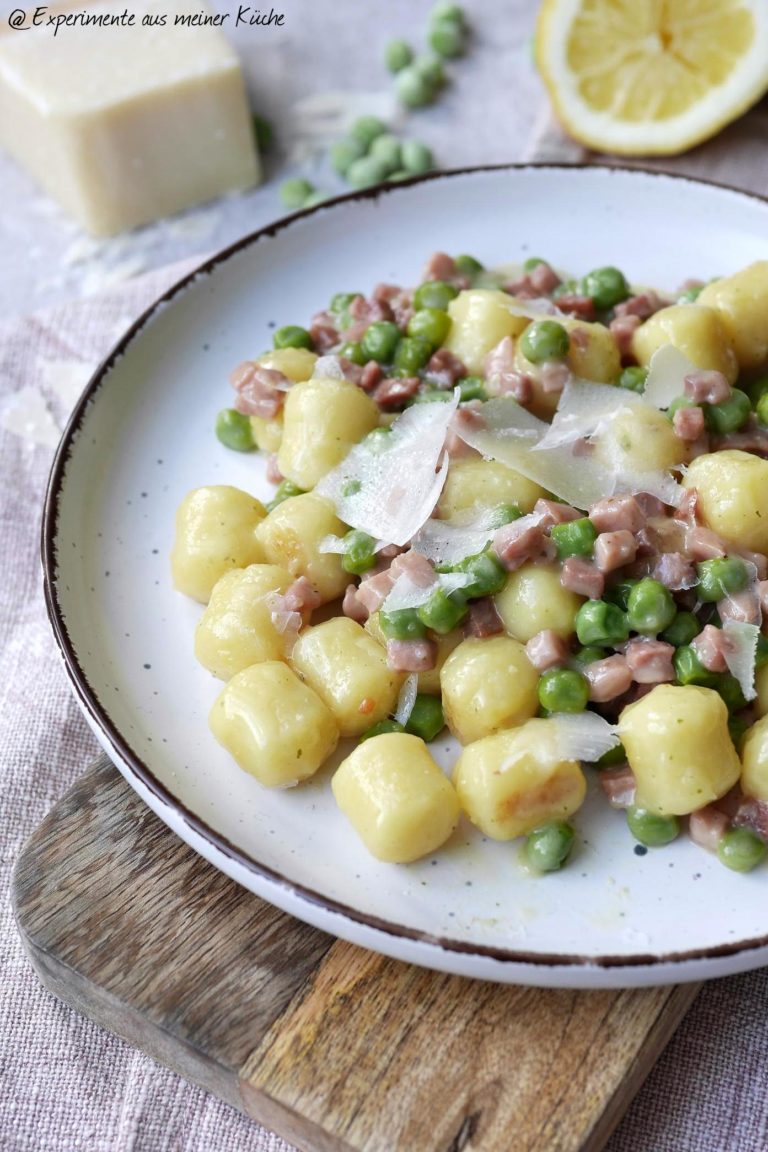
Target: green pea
729, 690
488, 575
503, 514
397, 55
574, 538
737, 729
563, 690
413, 89
382, 728
397, 177
468, 266
359, 552
565, 288
292, 336
417, 157
602, 624
761, 408
443, 611
589, 654
761, 655
432, 324
380, 340
532, 263
345, 152
721, 577
682, 629
633, 379
448, 39
263, 131
430, 396
341, 301
472, 388
434, 294
650, 828
234, 430
729, 416
366, 129
402, 624
547, 848
353, 351
284, 491
606, 287
387, 150
447, 11
678, 403
756, 389
612, 757
367, 171
544, 340
426, 719
411, 354
294, 193
315, 198
650, 607
690, 670
741, 850
431, 69
619, 593
691, 295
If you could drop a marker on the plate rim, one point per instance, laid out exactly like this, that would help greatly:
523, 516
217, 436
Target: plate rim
136, 767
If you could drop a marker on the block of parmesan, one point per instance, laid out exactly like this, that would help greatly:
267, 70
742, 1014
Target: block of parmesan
126, 124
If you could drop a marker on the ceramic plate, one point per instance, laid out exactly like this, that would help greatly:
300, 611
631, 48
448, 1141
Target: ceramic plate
142, 436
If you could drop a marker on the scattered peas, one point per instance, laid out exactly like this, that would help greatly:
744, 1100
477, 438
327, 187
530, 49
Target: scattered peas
444, 611
292, 336
402, 624
264, 133
737, 728
689, 668
721, 577
650, 607
602, 624
574, 538
234, 430
398, 55
503, 514
691, 295
284, 491
447, 38
472, 388
619, 593
633, 379
606, 287
432, 324
729, 689
589, 654
381, 729
612, 757
678, 403
434, 294
729, 416
353, 351
544, 340
294, 193
444, 10
547, 848
468, 266
341, 301
756, 389
413, 89
380, 340
359, 552
411, 355
651, 829
532, 263
488, 575
431, 70
366, 129
761, 408
563, 690
315, 198
741, 850
426, 719
682, 629
345, 152
367, 171
387, 151
761, 655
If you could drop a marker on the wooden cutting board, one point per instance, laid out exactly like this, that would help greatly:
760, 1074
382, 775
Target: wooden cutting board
335, 1048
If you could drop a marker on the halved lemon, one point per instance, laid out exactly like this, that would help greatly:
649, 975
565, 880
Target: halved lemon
651, 77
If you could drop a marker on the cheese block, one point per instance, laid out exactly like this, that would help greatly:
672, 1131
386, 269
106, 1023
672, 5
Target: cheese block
125, 124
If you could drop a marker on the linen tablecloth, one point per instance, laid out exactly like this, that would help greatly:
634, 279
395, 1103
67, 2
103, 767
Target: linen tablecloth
64, 1083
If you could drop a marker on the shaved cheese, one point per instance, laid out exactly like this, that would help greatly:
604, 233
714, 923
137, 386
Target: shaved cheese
667, 370
584, 410
583, 735
656, 483
533, 309
329, 368
398, 477
332, 544
446, 542
406, 593
740, 654
407, 699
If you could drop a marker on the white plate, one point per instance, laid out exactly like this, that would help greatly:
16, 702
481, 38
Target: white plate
143, 435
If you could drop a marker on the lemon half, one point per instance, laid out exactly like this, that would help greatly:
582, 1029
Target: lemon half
651, 77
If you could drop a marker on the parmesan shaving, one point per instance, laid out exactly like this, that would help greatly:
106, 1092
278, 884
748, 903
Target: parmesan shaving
740, 654
445, 542
406, 593
407, 699
329, 368
389, 487
667, 370
532, 309
583, 735
332, 544
584, 410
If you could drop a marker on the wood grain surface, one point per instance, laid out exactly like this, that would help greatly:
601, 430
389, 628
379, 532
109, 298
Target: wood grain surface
338, 1049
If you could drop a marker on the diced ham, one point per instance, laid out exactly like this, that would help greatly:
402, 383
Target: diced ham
274, 475
650, 661
753, 814
619, 786
674, 571
411, 655
643, 305
543, 279
576, 305
260, 391
547, 650
514, 545
581, 576
370, 375
710, 646
757, 559
302, 596
707, 826
439, 267
688, 508
522, 289
688, 423
553, 376
762, 592
753, 437
373, 590
456, 447
703, 544
614, 513
483, 619
502, 375
741, 607
325, 335
444, 369
399, 300
707, 386
614, 549
386, 293
395, 390
623, 329
650, 505
415, 566
607, 678
352, 606
553, 512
